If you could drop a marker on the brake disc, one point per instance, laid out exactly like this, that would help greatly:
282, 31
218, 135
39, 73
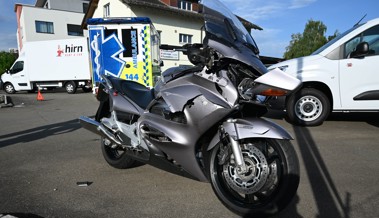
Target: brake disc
256, 176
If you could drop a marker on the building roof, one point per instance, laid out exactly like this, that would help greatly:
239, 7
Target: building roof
157, 4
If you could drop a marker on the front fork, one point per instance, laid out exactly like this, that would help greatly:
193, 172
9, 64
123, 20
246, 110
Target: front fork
236, 149
237, 152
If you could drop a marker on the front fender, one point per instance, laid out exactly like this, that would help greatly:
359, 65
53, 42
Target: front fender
251, 127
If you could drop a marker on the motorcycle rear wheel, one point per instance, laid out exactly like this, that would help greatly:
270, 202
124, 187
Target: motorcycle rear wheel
268, 186
117, 158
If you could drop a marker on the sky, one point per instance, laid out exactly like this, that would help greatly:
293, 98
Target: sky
278, 18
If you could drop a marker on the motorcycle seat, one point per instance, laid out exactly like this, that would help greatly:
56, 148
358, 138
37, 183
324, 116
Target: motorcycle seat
138, 93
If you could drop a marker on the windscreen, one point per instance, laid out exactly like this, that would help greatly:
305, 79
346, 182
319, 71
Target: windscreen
223, 24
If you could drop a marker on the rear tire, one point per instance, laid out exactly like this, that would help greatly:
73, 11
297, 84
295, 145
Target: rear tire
117, 158
268, 186
71, 87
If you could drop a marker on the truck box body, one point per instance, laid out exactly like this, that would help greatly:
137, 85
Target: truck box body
53, 63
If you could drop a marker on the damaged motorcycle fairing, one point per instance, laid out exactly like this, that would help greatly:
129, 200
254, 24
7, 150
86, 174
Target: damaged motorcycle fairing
179, 140
251, 127
177, 92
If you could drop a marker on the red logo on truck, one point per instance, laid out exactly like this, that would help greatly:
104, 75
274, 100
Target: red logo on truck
59, 51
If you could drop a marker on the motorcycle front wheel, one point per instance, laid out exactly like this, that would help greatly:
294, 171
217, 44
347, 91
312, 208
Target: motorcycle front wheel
269, 184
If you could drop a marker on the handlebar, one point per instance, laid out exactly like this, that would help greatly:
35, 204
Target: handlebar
194, 52
173, 47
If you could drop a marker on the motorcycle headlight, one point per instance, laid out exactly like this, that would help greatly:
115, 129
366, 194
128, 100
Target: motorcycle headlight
245, 88
260, 98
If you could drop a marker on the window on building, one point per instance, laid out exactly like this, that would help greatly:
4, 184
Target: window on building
44, 27
74, 30
184, 38
185, 5
106, 10
159, 35
85, 7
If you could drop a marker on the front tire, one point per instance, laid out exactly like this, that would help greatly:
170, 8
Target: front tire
267, 187
116, 157
9, 88
308, 107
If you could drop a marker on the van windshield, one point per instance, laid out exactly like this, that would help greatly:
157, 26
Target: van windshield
322, 48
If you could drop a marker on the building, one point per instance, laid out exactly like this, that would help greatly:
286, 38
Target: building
177, 21
13, 50
49, 20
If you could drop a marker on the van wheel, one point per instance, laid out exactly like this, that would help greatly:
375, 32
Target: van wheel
9, 88
308, 107
71, 87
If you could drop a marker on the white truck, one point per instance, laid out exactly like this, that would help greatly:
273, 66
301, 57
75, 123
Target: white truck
342, 75
50, 64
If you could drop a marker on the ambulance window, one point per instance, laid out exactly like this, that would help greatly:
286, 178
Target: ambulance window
130, 42
17, 67
108, 32
155, 42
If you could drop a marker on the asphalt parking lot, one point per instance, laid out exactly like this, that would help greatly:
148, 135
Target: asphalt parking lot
44, 154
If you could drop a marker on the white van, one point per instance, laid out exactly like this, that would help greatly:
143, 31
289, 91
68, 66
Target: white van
342, 75
50, 64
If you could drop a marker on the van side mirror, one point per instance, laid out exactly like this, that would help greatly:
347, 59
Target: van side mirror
361, 50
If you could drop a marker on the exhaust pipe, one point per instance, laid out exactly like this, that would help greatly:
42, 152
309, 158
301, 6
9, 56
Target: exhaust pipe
97, 128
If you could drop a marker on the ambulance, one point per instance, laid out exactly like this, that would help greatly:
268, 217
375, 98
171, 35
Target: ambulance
126, 48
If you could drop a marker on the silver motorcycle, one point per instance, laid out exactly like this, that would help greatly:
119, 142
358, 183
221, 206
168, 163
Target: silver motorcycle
204, 122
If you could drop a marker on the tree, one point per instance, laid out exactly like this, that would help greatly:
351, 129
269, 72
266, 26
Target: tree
309, 41
6, 61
